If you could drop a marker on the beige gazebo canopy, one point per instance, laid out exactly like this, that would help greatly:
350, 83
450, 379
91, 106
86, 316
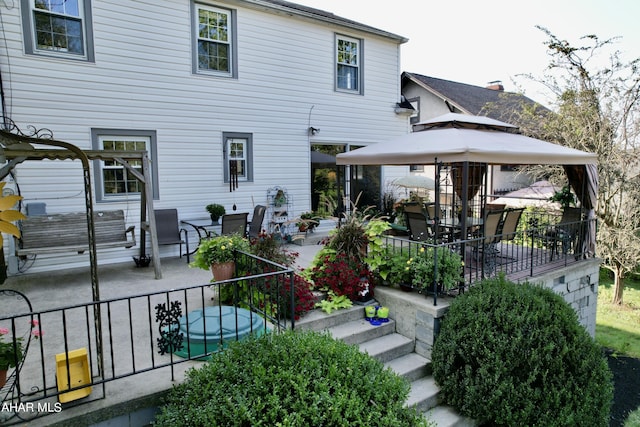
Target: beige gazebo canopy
460, 138
455, 138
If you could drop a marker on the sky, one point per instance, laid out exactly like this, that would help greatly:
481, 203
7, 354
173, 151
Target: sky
477, 42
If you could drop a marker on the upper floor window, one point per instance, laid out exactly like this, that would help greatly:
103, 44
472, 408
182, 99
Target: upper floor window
214, 40
58, 28
348, 64
113, 180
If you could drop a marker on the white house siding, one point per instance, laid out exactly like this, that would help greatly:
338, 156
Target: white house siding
142, 80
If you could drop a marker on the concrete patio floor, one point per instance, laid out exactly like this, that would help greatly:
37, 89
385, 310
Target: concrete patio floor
123, 397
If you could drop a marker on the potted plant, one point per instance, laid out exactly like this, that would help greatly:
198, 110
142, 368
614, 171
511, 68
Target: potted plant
12, 350
423, 269
218, 255
307, 222
216, 211
358, 232
399, 270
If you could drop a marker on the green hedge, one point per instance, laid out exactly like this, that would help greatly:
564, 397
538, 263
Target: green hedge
516, 355
290, 379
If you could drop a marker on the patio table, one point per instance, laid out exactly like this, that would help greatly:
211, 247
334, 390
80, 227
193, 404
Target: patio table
204, 227
455, 225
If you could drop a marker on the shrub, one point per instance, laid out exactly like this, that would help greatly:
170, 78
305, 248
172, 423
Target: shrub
290, 379
516, 355
633, 420
422, 268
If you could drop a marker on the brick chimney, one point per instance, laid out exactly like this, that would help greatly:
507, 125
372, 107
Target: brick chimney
495, 85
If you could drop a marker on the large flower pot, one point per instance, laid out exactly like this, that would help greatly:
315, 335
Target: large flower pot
3, 377
223, 271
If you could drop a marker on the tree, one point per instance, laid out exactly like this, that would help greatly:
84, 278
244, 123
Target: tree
597, 109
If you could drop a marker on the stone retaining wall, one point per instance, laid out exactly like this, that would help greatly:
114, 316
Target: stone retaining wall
418, 318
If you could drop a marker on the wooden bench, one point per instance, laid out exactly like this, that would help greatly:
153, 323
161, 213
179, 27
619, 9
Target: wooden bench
45, 234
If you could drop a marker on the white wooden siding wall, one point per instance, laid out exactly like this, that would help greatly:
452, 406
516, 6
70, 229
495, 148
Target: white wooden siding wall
142, 79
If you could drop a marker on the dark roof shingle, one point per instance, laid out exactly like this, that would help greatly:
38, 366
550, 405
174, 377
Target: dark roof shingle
473, 99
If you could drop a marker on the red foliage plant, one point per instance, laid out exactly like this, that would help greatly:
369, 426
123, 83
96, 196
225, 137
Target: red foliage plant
280, 291
341, 274
304, 298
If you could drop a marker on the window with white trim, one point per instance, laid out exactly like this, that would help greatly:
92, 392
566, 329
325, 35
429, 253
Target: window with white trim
238, 151
214, 40
348, 63
59, 28
113, 181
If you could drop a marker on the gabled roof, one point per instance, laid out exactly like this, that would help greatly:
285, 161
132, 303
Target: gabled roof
321, 15
471, 99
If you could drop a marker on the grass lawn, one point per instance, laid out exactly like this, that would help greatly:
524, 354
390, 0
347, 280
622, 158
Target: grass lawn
618, 327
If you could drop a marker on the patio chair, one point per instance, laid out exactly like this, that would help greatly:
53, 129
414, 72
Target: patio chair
486, 247
255, 227
508, 231
419, 229
234, 223
413, 207
565, 232
510, 224
168, 231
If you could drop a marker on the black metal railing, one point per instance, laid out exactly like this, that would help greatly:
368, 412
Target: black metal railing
540, 243
117, 338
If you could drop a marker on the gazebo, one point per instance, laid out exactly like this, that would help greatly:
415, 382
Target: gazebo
463, 146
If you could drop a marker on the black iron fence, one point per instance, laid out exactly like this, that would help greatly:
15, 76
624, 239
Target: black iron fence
63, 357
539, 243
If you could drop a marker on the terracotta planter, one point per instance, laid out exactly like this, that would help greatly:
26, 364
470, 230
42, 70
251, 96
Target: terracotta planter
3, 377
223, 271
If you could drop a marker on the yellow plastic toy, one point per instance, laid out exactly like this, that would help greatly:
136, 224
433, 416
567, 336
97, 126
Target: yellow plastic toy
79, 374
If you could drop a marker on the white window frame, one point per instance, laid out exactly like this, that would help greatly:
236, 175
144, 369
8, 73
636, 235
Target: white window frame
354, 64
246, 140
229, 42
29, 11
98, 137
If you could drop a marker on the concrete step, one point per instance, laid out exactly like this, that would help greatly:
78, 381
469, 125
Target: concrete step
359, 331
388, 347
395, 351
412, 366
446, 416
318, 320
424, 394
